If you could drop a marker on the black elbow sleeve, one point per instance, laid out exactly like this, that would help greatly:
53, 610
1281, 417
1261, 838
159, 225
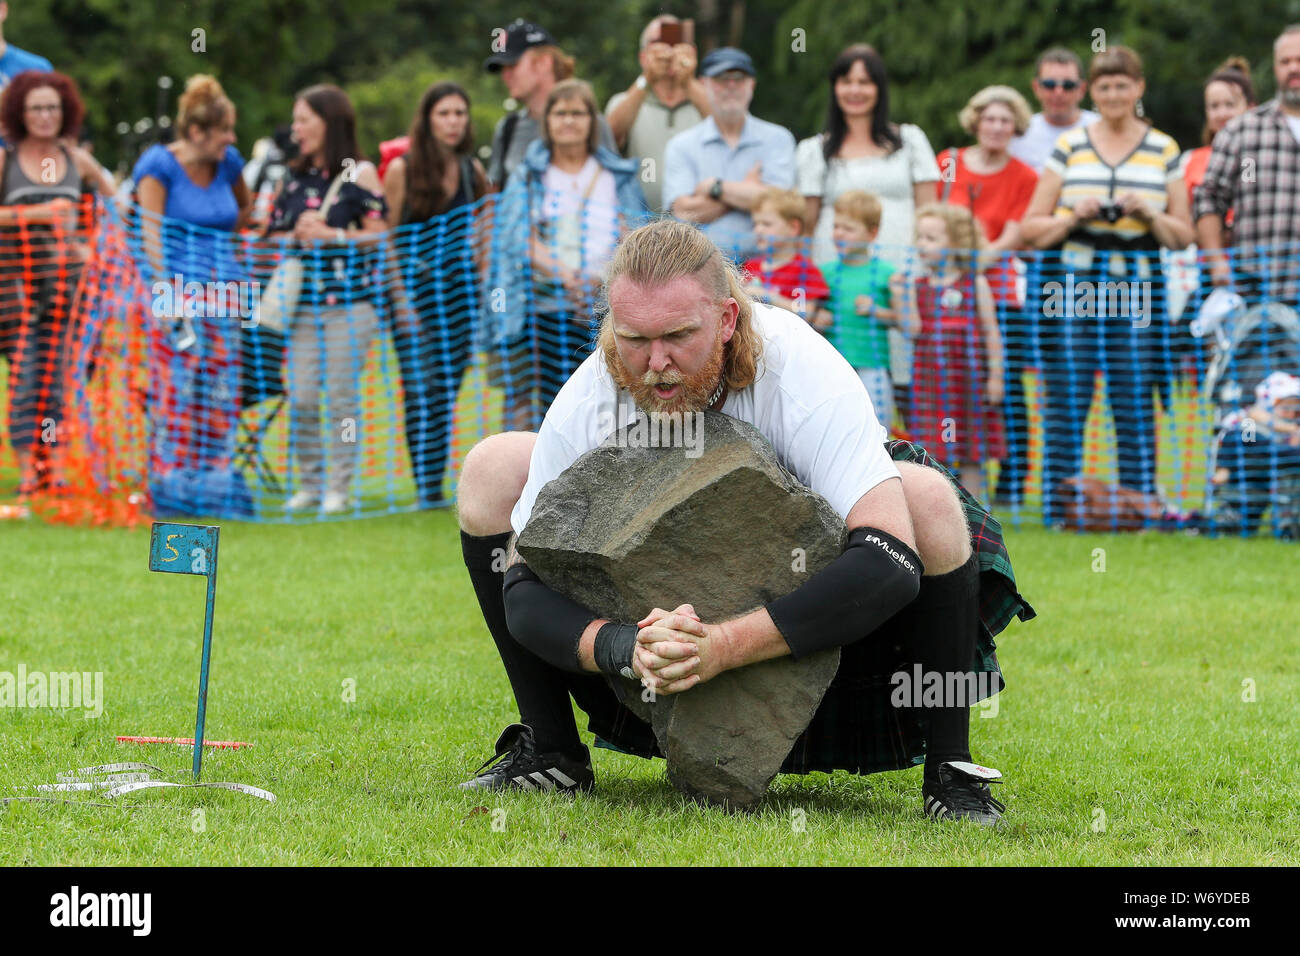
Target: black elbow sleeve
875, 577
544, 621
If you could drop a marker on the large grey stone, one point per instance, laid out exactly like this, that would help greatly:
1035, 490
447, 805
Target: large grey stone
626, 529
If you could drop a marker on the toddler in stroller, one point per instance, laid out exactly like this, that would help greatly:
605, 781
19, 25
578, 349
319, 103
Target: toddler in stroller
1257, 461
1255, 457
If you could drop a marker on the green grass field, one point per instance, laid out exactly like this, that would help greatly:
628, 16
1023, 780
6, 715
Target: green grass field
1123, 733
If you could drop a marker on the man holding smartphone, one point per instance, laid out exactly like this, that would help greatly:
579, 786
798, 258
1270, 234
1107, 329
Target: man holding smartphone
665, 99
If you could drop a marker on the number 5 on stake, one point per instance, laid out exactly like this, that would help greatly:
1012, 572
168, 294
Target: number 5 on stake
191, 549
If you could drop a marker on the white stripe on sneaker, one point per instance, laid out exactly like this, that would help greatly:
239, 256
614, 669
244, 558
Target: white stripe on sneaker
543, 780
524, 782
563, 777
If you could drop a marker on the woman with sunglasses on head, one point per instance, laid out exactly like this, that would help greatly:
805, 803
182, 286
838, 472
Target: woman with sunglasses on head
1229, 92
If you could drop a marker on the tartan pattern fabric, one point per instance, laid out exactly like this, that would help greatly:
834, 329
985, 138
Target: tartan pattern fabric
856, 726
1254, 169
999, 599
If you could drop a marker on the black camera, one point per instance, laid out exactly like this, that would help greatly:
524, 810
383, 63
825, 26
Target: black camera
1110, 211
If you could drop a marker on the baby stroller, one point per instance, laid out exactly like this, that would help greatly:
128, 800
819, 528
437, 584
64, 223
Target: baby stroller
1251, 466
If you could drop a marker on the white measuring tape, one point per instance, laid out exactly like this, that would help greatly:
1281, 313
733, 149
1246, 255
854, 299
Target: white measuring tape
147, 784
117, 779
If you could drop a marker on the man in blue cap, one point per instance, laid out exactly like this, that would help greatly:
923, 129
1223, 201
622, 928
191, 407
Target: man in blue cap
714, 171
530, 63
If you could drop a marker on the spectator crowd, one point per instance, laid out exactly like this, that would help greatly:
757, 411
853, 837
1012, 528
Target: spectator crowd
934, 274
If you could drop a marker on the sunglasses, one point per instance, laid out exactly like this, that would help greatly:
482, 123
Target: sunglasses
1066, 85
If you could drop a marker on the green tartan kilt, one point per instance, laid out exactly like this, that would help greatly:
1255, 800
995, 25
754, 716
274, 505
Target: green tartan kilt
856, 726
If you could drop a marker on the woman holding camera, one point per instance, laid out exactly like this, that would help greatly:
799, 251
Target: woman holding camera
1108, 199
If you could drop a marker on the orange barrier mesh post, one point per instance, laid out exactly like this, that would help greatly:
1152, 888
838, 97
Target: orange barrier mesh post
95, 467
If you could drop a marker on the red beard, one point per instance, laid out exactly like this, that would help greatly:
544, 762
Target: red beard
696, 390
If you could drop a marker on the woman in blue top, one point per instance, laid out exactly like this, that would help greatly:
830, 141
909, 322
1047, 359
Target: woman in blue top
192, 193
556, 226
432, 193
192, 197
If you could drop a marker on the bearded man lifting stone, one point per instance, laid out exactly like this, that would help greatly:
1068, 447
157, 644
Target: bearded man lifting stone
681, 336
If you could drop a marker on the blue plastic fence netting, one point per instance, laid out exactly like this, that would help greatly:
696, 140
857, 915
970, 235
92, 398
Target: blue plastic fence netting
1094, 389
297, 381
237, 376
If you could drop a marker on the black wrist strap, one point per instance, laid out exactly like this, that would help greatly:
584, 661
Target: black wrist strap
615, 645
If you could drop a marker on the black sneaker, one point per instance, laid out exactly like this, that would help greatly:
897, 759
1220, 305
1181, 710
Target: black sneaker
963, 794
519, 765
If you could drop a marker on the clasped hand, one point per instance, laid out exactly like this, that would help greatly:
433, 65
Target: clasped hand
311, 225
675, 650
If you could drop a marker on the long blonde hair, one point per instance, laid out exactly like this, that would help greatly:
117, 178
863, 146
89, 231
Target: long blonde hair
666, 249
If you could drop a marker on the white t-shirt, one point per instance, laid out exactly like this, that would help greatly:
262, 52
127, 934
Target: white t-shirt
1294, 123
1038, 141
890, 177
583, 208
807, 401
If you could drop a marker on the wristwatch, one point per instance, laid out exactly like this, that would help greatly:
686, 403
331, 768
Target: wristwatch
715, 191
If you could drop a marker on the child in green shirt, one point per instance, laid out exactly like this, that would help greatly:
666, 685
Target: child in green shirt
860, 307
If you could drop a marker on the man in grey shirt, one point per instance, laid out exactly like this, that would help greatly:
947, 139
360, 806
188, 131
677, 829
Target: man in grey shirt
1059, 86
530, 64
665, 99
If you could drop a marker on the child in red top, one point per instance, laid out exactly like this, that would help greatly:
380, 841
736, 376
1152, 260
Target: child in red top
957, 362
784, 277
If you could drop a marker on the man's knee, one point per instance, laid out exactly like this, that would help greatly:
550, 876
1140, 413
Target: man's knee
491, 480
938, 519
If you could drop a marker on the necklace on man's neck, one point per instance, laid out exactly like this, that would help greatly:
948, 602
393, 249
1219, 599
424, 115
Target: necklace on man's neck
716, 394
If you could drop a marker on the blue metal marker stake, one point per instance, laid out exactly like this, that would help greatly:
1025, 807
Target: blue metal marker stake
190, 549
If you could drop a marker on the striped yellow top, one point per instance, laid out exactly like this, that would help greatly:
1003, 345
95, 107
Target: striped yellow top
1147, 171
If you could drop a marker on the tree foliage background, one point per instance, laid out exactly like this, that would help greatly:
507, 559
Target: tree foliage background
385, 52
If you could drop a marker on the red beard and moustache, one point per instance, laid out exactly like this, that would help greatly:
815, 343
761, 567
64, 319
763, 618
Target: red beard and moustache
696, 390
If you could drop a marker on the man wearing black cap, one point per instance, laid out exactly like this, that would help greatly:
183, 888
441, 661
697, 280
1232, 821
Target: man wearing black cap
530, 63
714, 171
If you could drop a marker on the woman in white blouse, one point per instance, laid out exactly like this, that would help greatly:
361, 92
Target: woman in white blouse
861, 149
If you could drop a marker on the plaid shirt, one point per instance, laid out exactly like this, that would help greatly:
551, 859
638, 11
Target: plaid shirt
856, 727
1254, 169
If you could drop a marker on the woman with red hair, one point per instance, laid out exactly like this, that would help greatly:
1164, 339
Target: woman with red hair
43, 177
